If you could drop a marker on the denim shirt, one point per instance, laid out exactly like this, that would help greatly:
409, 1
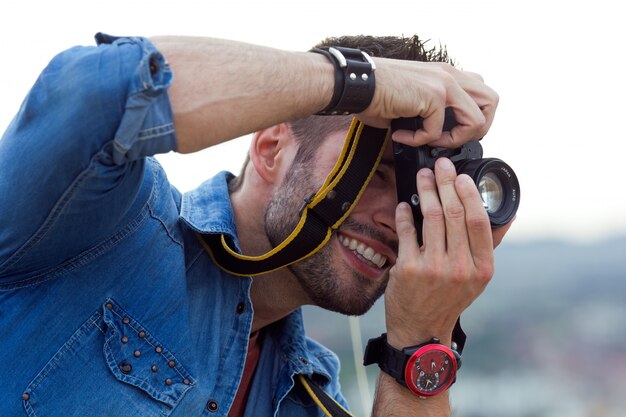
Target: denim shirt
108, 303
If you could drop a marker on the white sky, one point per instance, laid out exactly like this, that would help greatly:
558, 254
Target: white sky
559, 67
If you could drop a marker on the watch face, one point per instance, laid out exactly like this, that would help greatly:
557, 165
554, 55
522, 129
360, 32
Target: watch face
430, 370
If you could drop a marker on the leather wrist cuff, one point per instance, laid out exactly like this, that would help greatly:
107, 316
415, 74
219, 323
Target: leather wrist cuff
354, 80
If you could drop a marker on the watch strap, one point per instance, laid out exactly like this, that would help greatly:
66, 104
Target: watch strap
389, 359
355, 81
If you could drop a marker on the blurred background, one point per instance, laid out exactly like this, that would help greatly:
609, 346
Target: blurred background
547, 337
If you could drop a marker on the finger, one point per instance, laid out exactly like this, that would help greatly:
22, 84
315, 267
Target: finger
498, 233
453, 209
432, 125
407, 137
474, 106
470, 123
485, 97
408, 247
477, 221
433, 227
474, 75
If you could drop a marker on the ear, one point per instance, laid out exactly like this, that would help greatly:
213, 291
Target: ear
271, 152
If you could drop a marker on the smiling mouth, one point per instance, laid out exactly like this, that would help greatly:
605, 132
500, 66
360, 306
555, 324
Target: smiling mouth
363, 251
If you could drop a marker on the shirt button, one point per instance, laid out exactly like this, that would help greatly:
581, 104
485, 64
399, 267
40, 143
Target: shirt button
126, 367
154, 66
240, 308
303, 360
25, 396
212, 406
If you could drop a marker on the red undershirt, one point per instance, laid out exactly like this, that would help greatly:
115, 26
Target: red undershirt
241, 399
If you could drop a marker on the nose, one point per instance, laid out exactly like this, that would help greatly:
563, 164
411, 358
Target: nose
384, 210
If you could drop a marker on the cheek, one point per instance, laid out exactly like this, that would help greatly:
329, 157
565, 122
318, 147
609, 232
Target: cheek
378, 200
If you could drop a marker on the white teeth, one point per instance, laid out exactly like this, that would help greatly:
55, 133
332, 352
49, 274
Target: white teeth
376, 258
365, 251
361, 248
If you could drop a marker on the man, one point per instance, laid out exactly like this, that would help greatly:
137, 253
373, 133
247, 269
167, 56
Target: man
109, 301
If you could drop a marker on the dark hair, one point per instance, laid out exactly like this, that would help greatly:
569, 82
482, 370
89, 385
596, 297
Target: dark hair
310, 131
408, 49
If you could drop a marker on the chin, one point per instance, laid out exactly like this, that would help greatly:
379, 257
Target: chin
353, 301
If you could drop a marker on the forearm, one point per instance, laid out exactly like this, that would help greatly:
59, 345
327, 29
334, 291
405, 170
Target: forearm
224, 89
392, 399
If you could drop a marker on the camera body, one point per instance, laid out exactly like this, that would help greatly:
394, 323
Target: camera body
496, 181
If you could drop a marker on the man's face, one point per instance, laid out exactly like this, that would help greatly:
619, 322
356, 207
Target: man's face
349, 273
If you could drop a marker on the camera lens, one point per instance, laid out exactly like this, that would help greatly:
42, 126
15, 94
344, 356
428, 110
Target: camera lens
490, 189
498, 187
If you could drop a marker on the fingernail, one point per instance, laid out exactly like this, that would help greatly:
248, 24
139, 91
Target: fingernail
445, 163
425, 172
464, 178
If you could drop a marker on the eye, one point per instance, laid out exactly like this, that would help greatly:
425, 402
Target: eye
384, 172
380, 179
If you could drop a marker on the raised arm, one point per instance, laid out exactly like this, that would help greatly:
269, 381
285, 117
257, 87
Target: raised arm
224, 89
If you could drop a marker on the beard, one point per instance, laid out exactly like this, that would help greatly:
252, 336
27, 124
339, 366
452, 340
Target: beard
330, 286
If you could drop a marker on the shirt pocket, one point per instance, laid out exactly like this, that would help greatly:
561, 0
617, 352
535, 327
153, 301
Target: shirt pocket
110, 366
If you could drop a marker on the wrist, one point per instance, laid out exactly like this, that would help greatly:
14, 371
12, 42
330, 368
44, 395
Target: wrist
322, 72
399, 336
400, 339
427, 369
354, 80
393, 399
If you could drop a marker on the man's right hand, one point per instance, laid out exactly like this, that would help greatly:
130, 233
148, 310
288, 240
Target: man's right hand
410, 88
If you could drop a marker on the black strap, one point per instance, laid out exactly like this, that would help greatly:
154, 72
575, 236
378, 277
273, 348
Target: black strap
322, 212
355, 80
325, 402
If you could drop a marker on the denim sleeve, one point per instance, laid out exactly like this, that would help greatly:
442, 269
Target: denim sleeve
72, 161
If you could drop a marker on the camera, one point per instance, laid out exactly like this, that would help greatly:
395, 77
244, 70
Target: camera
496, 181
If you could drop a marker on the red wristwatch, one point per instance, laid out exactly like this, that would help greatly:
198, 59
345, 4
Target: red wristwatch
426, 369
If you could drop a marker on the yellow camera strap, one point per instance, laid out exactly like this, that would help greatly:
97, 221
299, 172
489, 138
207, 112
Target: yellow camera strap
322, 212
329, 406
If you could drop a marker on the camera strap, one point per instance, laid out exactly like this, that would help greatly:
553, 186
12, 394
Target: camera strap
329, 406
321, 213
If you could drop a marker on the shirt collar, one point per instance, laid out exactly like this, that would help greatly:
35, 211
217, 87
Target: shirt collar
207, 209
